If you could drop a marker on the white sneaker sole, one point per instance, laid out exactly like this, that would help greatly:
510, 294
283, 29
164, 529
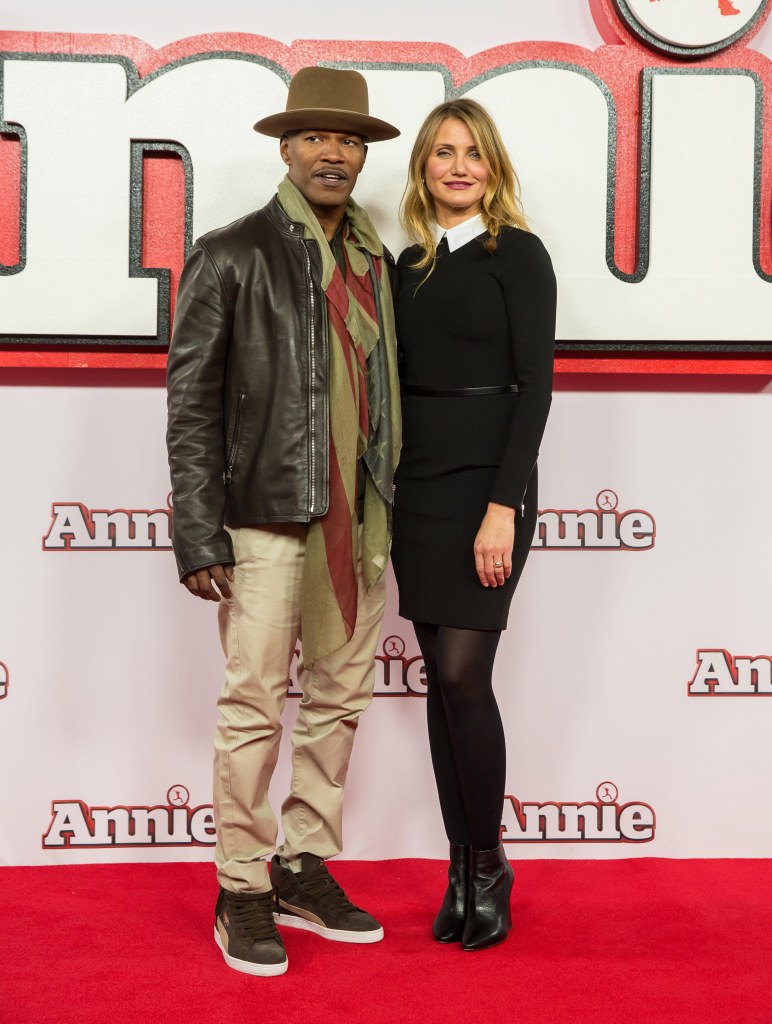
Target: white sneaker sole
334, 934
247, 967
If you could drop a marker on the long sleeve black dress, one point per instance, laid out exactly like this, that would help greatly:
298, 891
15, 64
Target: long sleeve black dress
480, 319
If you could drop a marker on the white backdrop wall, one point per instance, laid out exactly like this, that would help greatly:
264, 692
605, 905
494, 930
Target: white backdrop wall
655, 544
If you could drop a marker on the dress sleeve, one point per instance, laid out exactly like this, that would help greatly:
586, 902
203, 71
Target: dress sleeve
403, 271
528, 283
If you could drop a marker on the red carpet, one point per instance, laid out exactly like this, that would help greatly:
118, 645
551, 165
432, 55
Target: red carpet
595, 942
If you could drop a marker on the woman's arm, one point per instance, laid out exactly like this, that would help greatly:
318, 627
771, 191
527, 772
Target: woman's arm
529, 288
530, 293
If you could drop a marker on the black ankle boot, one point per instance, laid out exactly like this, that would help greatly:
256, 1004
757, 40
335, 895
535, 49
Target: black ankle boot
449, 922
488, 917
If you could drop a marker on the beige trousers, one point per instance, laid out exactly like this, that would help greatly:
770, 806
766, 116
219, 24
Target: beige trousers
259, 629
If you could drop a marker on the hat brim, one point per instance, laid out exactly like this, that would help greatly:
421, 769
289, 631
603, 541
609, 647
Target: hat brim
372, 129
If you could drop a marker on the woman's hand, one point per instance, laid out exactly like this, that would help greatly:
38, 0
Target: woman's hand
493, 545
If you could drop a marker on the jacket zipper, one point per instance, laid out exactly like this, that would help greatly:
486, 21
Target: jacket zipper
228, 475
312, 456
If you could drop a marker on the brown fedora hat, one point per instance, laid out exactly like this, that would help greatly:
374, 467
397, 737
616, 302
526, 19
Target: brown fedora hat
331, 100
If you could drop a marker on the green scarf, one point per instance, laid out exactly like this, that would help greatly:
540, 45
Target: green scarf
365, 427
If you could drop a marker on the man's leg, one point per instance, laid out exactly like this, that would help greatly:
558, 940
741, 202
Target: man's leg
259, 629
335, 693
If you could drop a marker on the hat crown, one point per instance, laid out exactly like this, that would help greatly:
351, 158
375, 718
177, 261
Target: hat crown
328, 88
328, 99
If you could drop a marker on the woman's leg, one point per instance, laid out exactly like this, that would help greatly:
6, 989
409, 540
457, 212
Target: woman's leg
465, 668
476, 735
449, 791
466, 735
469, 758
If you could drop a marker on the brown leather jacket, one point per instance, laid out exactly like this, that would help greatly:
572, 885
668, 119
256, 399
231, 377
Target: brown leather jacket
248, 430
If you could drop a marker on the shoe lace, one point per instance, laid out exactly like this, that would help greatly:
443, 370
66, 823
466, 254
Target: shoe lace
252, 915
322, 887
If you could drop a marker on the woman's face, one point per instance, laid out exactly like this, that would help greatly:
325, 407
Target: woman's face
455, 173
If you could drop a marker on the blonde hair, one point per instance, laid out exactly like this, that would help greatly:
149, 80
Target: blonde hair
501, 203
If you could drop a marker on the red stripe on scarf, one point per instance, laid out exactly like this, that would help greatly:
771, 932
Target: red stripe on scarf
337, 523
336, 293
362, 288
340, 330
338, 544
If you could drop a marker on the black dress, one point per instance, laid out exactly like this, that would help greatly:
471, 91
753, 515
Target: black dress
480, 319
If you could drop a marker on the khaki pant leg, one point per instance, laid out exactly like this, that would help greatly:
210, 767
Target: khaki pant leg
335, 693
259, 629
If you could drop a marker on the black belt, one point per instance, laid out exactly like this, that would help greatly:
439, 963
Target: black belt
493, 389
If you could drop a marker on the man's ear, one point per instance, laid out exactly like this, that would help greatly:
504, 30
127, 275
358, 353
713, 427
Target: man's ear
365, 156
284, 150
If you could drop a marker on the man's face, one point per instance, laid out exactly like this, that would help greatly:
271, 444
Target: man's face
324, 165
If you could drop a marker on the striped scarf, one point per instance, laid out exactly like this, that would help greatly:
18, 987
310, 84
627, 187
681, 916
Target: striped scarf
364, 428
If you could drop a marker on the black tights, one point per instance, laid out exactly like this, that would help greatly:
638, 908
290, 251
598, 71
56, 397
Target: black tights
466, 736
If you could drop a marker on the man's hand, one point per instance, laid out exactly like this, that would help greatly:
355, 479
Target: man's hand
493, 545
201, 582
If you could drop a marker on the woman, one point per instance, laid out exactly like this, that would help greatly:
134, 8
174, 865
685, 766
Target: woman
476, 327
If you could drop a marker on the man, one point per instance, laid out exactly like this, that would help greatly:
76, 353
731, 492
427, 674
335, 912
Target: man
283, 439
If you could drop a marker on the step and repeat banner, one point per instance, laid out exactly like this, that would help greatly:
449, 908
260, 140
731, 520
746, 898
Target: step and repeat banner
633, 675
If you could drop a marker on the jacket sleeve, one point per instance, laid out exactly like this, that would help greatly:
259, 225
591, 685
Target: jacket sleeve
529, 287
195, 435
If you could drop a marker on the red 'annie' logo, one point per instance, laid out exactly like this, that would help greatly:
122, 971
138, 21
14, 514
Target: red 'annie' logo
74, 527
139, 202
720, 674
603, 820
396, 673
603, 528
76, 825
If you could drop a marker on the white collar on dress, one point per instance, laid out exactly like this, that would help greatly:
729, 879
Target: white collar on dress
461, 233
